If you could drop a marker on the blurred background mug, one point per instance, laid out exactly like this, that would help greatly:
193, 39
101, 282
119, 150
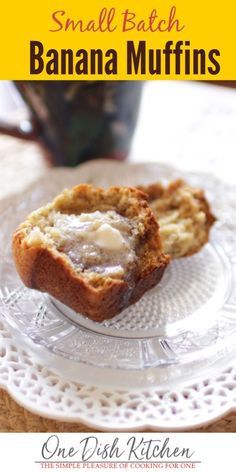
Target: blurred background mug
78, 121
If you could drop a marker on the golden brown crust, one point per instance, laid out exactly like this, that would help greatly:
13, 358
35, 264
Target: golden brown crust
99, 298
168, 198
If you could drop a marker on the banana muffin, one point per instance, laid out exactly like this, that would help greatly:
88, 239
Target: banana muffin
183, 214
97, 251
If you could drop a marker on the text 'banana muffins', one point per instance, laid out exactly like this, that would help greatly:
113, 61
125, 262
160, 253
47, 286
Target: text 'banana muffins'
95, 250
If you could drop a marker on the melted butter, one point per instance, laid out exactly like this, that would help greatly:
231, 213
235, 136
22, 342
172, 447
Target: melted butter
100, 242
108, 237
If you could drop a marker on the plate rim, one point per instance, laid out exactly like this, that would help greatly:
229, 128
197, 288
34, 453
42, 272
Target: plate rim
155, 427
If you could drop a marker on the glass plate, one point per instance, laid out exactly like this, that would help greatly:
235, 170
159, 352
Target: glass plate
189, 317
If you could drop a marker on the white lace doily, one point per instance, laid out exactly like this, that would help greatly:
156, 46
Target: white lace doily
173, 407
63, 390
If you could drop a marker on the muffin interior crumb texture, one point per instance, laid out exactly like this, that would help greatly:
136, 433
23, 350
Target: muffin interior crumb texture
101, 242
183, 218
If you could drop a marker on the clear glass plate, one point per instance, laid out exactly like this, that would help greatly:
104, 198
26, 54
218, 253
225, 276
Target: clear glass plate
190, 316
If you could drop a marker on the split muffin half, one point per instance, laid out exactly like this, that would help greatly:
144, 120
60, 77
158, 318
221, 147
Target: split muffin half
97, 251
184, 216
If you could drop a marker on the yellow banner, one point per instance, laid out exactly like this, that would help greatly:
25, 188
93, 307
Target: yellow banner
113, 40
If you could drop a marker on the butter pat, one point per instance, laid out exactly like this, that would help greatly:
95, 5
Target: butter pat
107, 237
